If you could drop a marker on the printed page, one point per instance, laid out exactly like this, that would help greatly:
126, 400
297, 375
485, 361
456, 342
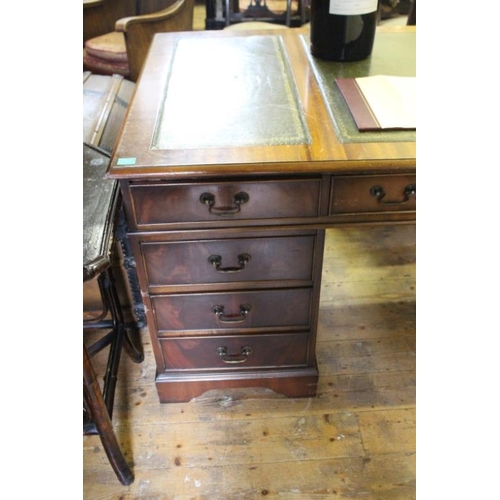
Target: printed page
392, 99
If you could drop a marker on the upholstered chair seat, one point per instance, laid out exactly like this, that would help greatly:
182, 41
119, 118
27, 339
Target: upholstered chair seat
123, 50
106, 55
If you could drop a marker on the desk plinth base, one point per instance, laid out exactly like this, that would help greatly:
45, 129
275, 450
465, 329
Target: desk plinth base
181, 387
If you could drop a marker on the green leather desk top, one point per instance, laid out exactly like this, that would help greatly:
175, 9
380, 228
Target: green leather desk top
393, 54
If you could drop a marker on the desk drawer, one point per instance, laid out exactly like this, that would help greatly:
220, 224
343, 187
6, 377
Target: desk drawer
164, 203
228, 260
201, 353
213, 312
375, 193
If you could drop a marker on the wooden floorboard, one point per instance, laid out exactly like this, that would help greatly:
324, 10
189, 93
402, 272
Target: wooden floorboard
354, 440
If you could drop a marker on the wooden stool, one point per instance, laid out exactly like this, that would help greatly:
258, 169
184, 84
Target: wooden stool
101, 202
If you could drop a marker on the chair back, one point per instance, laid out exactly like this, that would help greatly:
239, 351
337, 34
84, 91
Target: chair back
100, 16
139, 32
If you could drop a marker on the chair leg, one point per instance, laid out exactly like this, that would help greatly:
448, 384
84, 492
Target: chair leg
95, 403
111, 304
288, 21
100, 403
412, 15
133, 352
110, 297
121, 337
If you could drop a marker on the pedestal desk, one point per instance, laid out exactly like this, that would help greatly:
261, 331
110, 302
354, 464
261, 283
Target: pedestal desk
236, 154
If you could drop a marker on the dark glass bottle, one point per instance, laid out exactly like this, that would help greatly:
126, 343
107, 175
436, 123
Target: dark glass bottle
343, 30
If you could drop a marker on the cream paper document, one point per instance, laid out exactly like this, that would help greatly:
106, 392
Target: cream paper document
392, 99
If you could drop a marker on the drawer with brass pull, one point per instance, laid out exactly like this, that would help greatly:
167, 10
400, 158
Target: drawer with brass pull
374, 193
157, 204
233, 352
227, 259
182, 314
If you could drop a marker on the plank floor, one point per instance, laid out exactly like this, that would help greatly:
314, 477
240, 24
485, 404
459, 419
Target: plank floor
355, 440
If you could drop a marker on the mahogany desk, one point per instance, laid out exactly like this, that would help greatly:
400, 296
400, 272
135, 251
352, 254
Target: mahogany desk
235, 156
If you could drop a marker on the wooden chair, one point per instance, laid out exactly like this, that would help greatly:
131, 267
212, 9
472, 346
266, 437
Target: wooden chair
99, 16
124, 50
101, 202
105, 99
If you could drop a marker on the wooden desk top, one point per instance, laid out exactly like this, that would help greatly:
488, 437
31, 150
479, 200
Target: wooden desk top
212, 103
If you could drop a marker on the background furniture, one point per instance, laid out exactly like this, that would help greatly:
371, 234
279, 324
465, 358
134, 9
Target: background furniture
99, 16
100, 204
105, 100
122, 50
226, 211
222, 13
412, 15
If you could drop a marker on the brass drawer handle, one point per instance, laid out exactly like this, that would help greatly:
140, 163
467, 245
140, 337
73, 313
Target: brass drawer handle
216, 261
234, 358
238, 200
379, 193
232, 318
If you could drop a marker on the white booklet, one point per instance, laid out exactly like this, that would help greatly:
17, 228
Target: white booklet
381, 101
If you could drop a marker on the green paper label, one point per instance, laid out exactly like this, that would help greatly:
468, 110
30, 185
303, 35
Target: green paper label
125, 161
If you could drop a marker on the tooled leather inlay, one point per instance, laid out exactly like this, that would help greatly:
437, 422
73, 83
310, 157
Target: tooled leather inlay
221, 94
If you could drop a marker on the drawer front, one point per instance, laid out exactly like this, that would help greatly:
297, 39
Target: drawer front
361, 194
266, 351
213, 312
156, 204
228, 260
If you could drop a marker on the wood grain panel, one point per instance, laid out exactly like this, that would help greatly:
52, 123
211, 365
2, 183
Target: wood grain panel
377, 193
268, 308
262, 351
229, 260
157, 204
